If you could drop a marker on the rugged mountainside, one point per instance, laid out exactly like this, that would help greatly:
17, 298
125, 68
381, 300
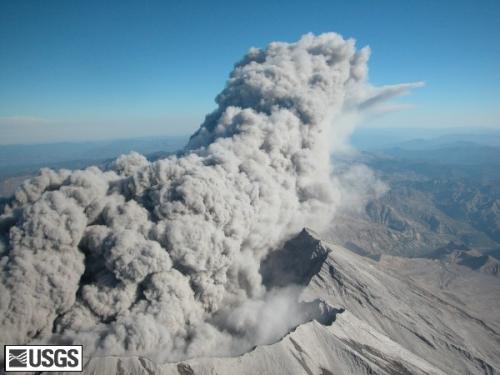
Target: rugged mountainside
395, 316
464, 256
427, 206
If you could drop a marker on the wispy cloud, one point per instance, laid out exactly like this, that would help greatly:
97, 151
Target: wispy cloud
384, 93
22, 121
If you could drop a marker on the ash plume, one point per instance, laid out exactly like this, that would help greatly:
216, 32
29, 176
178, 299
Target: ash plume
162, 258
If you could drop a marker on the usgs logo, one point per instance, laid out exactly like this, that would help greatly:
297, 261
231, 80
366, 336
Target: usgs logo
43, 357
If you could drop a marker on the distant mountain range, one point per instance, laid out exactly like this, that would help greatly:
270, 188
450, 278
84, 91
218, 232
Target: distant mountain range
18, 162
25, 159
371, 139
459, 152
428, 205
441, 191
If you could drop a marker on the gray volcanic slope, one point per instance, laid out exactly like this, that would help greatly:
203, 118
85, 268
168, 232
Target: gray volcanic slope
370, 318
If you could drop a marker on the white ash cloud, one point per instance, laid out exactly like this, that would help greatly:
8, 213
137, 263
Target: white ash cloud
162, 259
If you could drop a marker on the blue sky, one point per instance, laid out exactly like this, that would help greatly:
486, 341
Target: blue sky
101, 69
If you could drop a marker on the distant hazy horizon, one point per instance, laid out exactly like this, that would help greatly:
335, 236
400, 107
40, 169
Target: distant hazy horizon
400, 133
360, 137
19, 159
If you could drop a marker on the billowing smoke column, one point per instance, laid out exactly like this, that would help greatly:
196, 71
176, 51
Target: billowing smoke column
162, 259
